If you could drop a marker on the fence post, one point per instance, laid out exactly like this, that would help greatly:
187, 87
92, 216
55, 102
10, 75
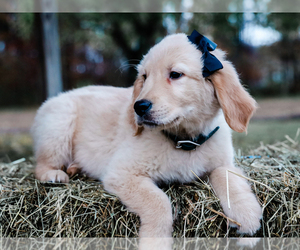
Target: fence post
51, 48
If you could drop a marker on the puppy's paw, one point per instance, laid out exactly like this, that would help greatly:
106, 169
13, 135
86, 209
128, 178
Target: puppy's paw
251, 223
55, 176
73, 169
248, 213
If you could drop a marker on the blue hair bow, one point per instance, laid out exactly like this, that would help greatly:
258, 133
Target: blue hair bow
211, 63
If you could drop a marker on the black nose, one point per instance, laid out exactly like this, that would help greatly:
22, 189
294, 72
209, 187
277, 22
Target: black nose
142, 106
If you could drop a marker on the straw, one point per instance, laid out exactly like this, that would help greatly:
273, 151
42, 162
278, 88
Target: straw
83, 208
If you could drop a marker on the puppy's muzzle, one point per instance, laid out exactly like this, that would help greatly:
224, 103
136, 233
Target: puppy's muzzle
141, 107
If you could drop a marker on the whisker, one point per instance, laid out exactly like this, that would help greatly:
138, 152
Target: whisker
125, 66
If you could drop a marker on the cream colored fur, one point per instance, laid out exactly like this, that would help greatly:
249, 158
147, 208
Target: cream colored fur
95, 130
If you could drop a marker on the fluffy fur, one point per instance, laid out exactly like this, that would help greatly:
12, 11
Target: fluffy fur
95, 130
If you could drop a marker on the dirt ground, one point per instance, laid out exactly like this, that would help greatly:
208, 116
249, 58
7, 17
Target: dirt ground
20, 120
285, 108
13, 121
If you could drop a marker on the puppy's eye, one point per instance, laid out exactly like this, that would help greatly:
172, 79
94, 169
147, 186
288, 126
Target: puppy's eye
175, 75
145, 77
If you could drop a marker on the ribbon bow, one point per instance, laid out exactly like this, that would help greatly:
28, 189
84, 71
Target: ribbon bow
211, 63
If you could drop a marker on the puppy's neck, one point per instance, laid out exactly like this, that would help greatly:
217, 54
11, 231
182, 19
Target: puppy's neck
180, 133
186, 132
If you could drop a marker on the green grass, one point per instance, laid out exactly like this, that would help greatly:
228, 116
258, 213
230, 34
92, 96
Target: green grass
268, 132
16, 146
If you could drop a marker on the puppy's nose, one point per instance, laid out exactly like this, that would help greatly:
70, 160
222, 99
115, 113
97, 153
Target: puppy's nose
142, 106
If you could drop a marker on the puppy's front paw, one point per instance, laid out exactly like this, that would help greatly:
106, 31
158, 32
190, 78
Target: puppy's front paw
55, 176
244, 207
248, 213
250, 223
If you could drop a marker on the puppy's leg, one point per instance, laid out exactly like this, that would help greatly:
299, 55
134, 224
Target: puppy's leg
244, 207
143, 197
53, 132
52, 155
45, 171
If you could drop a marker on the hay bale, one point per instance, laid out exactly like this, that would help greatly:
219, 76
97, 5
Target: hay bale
82, 208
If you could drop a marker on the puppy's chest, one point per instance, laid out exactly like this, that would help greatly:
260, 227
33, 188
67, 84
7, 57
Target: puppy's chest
176, 164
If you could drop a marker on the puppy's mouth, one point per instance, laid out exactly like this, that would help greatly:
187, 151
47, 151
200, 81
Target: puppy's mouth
150, 123
154, 123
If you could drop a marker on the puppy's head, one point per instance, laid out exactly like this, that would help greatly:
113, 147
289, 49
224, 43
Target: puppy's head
171, 93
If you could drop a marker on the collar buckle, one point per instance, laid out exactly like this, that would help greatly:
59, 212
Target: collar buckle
186, 141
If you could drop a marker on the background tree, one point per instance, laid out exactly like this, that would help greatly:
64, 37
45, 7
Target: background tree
287, 49
103, 48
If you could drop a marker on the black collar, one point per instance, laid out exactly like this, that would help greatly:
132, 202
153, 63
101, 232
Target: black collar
190, 143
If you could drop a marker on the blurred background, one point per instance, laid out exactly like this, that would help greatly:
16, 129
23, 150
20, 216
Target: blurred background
103, 49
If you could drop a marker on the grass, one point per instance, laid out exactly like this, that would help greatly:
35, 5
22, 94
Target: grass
19, 145
269, 132
15, 146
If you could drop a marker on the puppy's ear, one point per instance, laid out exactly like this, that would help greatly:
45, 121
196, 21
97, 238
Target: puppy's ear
137, 88
238, 106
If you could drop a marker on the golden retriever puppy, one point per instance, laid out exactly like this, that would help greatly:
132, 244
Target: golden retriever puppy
174, 120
